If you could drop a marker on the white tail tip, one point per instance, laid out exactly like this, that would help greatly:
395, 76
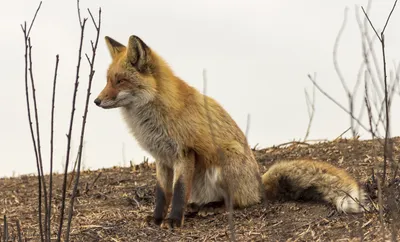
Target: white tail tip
353, 203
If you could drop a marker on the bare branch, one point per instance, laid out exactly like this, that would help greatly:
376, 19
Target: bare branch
380, 202
64, 188
387, 133
38, 134
247, 127
94, 22
336, 102
311, 110
33, 20
33, 138
52, 147
338, 72
27, 56
368, 105
341, 134
19, 231
87, 58
366, 15
387, 148
366, 41
350, 96
79, 14
388, 18
91, 75
5, 229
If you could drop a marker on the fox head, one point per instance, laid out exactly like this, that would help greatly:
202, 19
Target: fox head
131, 76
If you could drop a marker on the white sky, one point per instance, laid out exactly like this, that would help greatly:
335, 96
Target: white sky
257, 55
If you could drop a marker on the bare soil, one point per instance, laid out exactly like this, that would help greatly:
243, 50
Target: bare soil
114, 204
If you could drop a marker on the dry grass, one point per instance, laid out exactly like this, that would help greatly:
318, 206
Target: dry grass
114, 204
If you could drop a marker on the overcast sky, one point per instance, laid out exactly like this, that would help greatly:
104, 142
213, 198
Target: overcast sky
257, 55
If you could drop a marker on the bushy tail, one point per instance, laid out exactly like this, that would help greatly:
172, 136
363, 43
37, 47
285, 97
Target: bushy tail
314, 180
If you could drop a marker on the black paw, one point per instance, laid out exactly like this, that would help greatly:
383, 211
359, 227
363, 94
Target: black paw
173, 223
158, 220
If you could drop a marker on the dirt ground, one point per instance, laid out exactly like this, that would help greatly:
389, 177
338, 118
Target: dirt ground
113, 204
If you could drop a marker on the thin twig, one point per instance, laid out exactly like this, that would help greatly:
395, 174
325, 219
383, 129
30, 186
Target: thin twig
336, 102
27, 56
388, 18
52, 147
94, 23
5, 229
19, 231
341, 134
73, 171
369, 20
381, 207
397, 80
311, 110
370, 51
358, 202
38, 136
91, 75
32, 134
391, 93
95, 180
335, 63
369, 109
64, 188
33, 20
79, 14
290, 143
381, 37
350, 96
387, 133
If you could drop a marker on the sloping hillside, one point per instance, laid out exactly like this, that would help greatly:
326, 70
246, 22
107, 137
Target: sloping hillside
114, 204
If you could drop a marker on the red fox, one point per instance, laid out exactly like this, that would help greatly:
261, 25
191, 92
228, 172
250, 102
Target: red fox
201, 154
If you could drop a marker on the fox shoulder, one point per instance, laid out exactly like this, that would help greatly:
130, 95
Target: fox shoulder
314, 180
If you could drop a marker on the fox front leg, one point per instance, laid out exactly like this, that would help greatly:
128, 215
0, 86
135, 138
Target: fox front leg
182, 184
163, 194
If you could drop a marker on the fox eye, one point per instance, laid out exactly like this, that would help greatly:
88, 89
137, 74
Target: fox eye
119, 81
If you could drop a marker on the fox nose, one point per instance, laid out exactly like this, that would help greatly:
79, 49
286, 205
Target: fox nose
97, 101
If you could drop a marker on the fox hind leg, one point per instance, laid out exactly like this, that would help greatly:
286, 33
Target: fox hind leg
241, 184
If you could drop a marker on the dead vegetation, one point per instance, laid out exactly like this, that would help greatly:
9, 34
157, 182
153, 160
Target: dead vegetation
114, 204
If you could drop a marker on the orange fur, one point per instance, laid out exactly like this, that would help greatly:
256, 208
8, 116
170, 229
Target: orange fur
169, 119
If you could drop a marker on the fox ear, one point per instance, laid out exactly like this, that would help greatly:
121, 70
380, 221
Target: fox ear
138, 54
114, 47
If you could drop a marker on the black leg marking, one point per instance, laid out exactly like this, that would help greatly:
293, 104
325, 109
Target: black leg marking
178, 205
160, 208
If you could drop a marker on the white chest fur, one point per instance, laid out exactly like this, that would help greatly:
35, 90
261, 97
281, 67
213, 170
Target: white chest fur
150, 130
